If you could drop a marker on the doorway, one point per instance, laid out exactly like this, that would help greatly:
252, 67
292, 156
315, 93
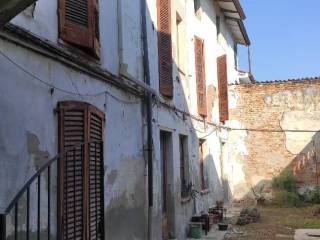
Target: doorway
167, 207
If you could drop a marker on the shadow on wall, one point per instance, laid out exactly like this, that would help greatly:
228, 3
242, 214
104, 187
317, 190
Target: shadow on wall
185, 98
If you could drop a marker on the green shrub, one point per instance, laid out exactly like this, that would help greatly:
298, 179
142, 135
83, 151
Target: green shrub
286, 198
249, 211
285, 181
313, 196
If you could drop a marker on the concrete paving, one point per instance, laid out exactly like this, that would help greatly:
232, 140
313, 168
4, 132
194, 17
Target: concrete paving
307, 234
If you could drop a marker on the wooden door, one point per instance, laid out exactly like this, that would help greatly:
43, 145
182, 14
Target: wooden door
164, 167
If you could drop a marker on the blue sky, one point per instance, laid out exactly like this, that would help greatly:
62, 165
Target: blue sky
285, 36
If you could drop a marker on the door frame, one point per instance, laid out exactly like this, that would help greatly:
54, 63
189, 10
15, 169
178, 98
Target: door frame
166, 136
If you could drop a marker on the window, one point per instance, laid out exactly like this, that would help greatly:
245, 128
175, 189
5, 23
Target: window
197, 5
181, 45
203, 182
218, 26
223, 88
165, 48
79, 24
81, 185
235, 49
200, 77
184, 166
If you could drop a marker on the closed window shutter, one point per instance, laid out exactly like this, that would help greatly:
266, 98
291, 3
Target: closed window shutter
72, 194
95, 175
165, 48
223, 88
80, 171
200, 77
78, 23
96, 35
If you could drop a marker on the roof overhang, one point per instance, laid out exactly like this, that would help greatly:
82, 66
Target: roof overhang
234, 15
10, 8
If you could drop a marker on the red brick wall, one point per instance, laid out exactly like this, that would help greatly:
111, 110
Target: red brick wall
264, 106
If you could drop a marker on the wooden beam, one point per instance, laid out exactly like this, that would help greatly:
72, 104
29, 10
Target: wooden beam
11, 8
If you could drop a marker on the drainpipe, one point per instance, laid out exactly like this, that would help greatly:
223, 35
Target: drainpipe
148, 101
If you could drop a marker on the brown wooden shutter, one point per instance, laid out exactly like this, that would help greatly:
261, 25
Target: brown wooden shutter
96, 121
80, 171
72, 127
223, 88
96, 33
165, 47
78, 23
200, 77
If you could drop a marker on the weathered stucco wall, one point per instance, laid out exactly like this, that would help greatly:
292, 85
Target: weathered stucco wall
280, 106
30, 121
203, 25
29, 138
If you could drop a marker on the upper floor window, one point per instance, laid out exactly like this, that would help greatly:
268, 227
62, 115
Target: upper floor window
218, 25
203, 175
235, 49
223, 88
200, 76
197, 5
165, 48
79, 24
181, 44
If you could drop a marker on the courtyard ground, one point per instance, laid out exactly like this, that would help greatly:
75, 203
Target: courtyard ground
277, 223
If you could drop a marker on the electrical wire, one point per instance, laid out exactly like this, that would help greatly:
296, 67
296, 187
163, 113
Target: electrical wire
63, 90
157, 101
274, 130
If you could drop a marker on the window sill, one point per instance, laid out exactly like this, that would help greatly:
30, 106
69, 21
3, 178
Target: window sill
204, 192
185, 200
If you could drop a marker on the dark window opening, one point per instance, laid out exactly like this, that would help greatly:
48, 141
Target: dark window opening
203, 182
197, 5
184, 167
218, 26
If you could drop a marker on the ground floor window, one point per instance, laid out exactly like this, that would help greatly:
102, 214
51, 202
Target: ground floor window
203, 175
184, 166
81, 185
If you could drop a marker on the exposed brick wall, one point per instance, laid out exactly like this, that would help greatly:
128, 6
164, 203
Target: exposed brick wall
276, 106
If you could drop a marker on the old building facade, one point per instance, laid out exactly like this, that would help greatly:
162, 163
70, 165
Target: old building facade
125, 100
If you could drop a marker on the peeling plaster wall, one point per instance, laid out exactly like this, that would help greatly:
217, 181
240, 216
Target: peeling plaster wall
29, 138
258, 156
32, 124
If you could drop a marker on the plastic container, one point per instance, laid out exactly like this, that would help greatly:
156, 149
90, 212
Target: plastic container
196, 231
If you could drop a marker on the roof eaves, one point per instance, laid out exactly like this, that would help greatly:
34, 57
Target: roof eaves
242, 29
239, 9
244, 32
